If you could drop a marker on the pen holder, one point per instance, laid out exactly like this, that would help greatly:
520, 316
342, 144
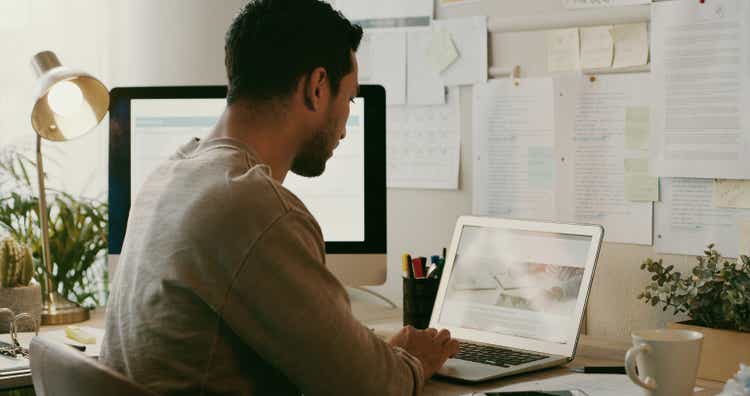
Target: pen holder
419, 297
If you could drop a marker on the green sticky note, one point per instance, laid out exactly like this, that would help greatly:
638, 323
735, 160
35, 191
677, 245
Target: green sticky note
637, 127
636, 165
641, 188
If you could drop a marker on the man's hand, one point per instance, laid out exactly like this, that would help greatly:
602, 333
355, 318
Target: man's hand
430, 346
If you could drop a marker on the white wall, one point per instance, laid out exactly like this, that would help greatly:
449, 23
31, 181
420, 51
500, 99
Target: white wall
76, 30
167, 42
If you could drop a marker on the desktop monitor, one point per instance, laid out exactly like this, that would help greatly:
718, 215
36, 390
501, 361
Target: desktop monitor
148, 124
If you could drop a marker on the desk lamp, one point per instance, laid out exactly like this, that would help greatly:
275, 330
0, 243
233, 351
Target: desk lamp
68, 103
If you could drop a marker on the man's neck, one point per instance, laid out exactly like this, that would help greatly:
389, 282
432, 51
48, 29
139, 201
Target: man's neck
267, 133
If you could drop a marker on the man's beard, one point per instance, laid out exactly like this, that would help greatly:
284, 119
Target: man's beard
311, 160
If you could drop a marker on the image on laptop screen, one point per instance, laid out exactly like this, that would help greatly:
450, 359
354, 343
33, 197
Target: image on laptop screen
515, 282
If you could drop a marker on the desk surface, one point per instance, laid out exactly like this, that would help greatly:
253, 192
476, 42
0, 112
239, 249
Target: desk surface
386, 321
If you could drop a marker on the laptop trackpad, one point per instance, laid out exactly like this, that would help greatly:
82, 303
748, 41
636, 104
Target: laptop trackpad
467, 371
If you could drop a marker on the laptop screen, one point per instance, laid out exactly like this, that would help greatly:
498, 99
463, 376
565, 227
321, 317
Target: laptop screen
516, 282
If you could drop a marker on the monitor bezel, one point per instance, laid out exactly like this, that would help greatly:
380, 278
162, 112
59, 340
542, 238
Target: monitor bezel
119, 162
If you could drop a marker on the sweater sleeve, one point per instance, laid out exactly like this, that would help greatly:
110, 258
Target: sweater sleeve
295, 314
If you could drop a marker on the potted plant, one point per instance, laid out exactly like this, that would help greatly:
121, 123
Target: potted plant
716, 296
17, 293
78, 232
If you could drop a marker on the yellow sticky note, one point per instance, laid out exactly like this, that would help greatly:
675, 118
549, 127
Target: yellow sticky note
732, 193
441, 52
637, 127
631, 44
563, 49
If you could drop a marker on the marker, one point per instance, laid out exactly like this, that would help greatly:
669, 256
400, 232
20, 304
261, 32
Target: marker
405, 265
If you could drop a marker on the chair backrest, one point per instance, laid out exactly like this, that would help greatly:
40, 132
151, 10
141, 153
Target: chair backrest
60, 370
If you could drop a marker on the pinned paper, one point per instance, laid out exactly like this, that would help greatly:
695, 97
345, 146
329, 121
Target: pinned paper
631, 44
563, 47
637, 127
732, 193
441, 52
469, 36
596, 47
639, 186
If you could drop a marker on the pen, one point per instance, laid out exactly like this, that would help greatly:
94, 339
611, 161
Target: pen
599, 370
405, 265
409, 268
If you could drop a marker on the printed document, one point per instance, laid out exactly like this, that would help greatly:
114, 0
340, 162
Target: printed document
514, 141
423, 145
686, 220
596, 158
701, 75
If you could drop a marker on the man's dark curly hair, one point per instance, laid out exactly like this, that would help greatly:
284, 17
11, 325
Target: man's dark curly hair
271, 44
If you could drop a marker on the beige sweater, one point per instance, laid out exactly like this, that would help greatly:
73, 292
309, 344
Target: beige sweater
221, 289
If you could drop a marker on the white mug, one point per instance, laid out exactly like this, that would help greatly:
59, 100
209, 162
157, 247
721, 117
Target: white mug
667, 361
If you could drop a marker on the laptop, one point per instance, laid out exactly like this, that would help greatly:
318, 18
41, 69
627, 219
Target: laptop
513, 293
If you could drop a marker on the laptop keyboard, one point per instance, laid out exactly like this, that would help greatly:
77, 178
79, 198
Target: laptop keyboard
495, 356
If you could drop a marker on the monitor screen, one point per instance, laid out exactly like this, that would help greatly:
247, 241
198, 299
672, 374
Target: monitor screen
148, 124
336, 198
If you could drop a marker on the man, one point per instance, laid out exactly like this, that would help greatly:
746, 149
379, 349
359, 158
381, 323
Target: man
221, 287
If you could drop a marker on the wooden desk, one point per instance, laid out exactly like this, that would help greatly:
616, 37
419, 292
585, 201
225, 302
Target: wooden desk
386, 322
603, 351
24, 380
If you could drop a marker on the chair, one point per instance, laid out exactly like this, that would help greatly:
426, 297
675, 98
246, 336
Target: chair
59, 370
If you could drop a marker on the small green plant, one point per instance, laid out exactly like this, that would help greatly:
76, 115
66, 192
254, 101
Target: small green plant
77, 234
715, 294
16, 268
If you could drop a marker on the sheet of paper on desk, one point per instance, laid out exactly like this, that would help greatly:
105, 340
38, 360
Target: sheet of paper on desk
469, 35
701, 88
386, 13
631, 45
596, 158
563, 50
686, 220
514, 159
592, 384
382, 60
423, 145
596, 47
424, 85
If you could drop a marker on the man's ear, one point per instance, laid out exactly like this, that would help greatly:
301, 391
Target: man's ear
316, 89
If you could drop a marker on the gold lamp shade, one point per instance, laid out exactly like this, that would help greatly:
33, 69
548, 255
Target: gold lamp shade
68, 103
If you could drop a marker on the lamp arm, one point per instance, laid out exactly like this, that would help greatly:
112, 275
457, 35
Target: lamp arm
45, 221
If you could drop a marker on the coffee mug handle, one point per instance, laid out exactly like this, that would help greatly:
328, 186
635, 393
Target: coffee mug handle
649, 383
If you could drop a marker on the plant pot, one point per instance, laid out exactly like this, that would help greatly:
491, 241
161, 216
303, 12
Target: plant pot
22, 299
722, 352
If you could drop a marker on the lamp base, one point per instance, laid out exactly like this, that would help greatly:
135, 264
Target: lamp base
57, 310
